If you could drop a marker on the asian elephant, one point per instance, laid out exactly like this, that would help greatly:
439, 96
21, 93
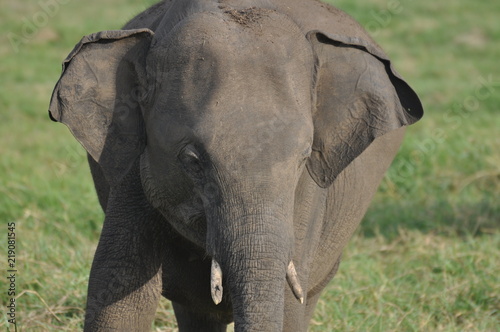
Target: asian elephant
235, 146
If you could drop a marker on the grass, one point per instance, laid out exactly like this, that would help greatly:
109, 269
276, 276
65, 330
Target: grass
426, 255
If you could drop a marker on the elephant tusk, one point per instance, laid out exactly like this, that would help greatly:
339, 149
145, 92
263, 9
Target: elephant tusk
216, 282
293, 282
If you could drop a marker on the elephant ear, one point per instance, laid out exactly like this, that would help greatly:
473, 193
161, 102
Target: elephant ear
98, 97
359, 97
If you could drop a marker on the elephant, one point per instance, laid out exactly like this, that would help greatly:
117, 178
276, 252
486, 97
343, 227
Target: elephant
235, 146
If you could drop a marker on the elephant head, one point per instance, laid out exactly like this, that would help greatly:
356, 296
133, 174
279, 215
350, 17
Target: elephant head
226, 112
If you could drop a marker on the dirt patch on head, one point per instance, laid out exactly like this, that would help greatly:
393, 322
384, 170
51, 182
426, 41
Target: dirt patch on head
246, 16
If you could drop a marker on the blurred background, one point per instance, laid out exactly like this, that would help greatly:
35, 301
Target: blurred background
426, 256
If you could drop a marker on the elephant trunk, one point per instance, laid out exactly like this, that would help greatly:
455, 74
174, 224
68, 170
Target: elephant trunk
254, 256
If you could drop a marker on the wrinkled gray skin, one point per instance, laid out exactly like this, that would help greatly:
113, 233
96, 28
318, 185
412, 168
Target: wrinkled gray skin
251, 132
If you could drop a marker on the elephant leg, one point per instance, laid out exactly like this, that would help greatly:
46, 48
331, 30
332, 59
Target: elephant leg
189, 321
124, 284
125, 281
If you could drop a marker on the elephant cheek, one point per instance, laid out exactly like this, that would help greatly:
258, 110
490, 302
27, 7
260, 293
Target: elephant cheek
176, 201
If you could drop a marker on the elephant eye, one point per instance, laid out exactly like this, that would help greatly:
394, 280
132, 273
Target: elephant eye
190, 153
307, 152
305, 155
190, 159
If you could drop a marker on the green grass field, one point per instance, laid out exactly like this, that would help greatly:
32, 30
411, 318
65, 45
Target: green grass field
427, 255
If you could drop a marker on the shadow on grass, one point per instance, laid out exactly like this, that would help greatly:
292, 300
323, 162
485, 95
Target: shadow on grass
439, 217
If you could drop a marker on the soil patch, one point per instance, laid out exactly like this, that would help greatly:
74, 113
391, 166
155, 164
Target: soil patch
246, 16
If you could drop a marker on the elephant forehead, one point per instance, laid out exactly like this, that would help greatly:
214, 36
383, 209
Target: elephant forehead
234, 27
235, 37
233, 66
